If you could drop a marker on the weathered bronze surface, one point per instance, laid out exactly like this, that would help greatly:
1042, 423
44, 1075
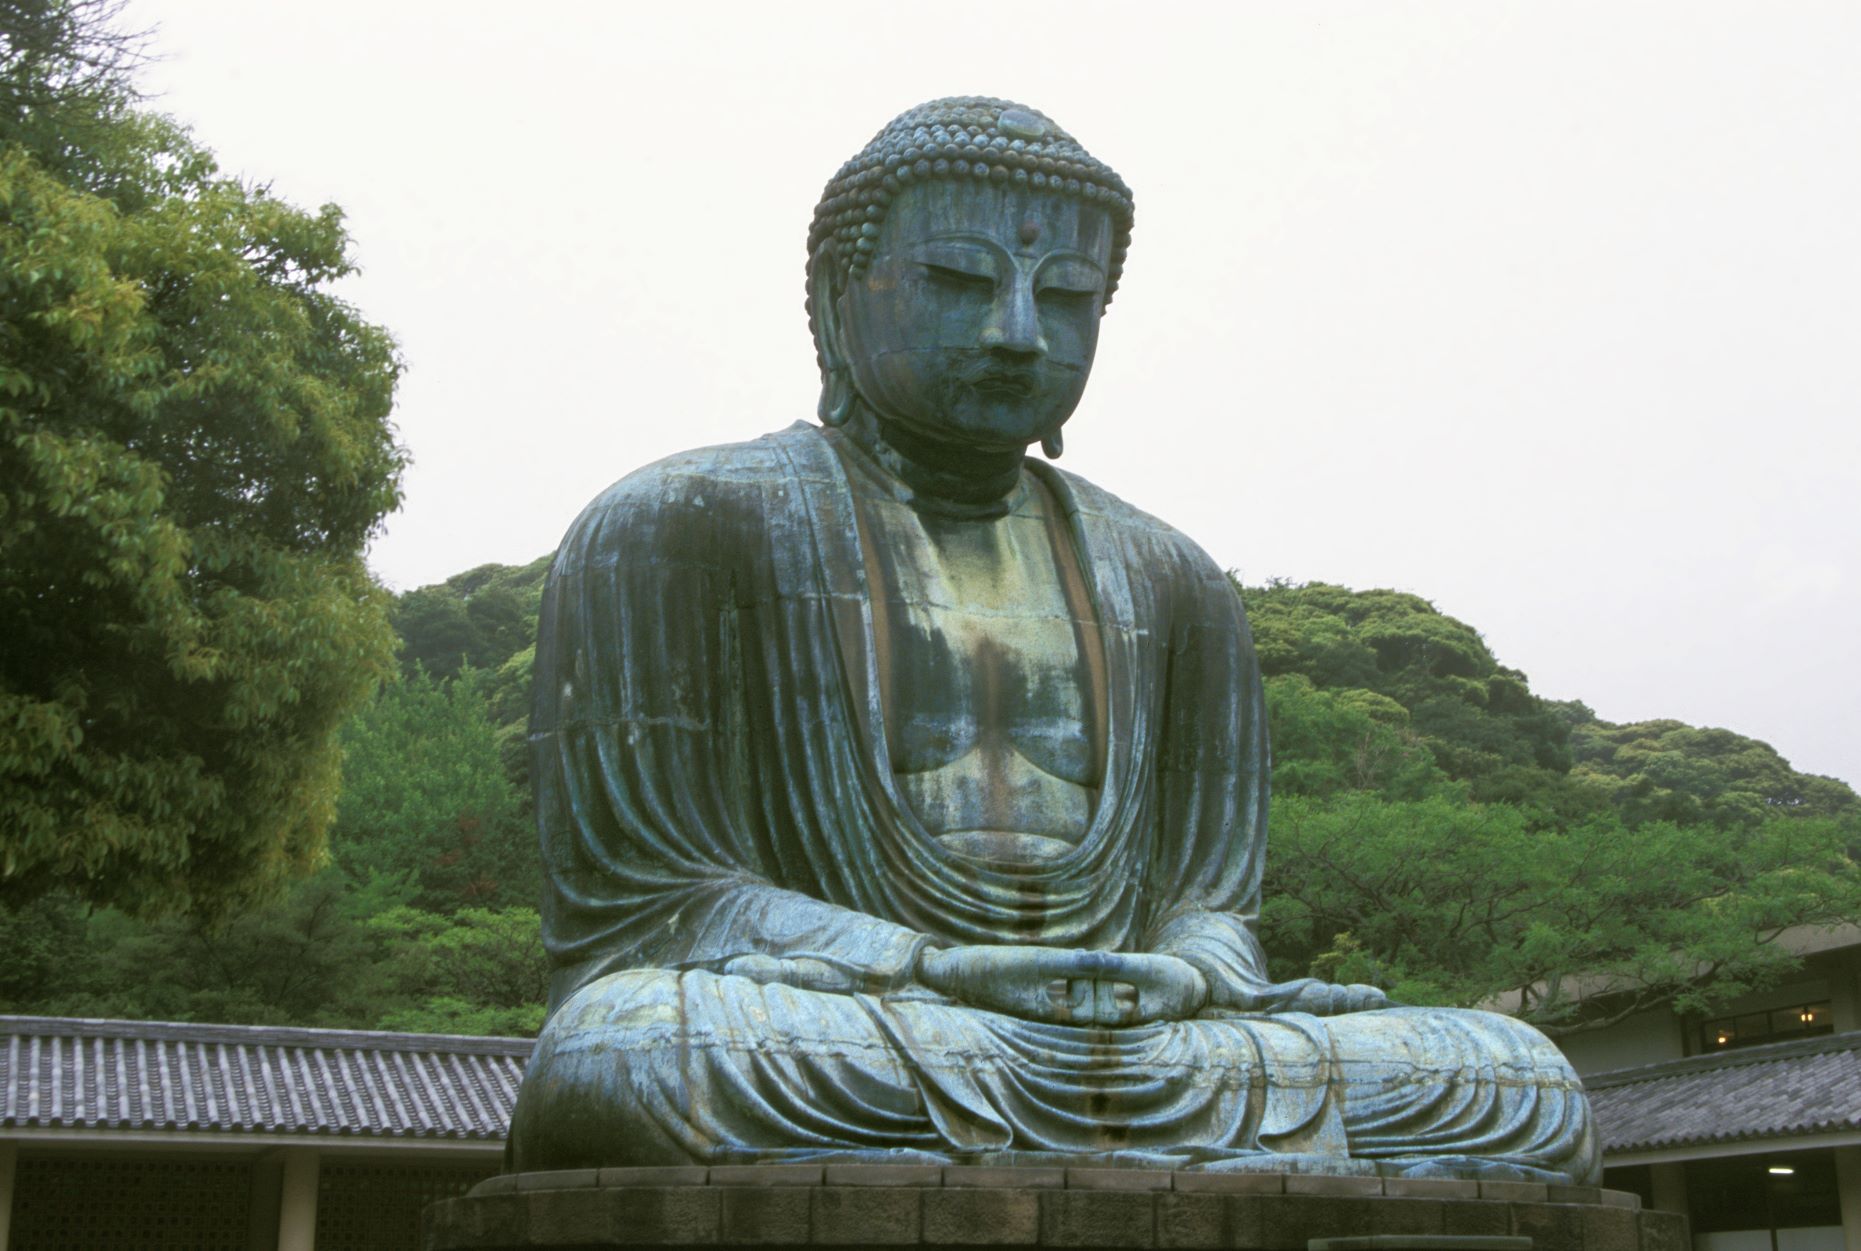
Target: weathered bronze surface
903, 799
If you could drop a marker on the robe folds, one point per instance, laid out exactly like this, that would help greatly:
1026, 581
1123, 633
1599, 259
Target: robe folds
714, 796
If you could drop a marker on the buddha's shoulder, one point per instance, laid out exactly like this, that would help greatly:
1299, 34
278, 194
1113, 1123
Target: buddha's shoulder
1151, 542
700, 488
683, 478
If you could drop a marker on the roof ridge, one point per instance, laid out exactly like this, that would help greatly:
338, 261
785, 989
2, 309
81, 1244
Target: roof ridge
262, 1035
1740, 1057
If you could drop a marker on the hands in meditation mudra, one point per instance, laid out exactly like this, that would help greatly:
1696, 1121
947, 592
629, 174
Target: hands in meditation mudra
904, 798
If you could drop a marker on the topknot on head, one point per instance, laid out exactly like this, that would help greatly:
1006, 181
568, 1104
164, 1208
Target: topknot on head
961, 137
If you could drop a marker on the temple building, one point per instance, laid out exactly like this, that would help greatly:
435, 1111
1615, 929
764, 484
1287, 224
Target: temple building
1748, 1121
138, 1134
151, 1134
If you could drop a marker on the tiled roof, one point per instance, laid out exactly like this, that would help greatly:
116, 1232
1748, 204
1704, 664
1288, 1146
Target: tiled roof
64, 1073
1777, 1090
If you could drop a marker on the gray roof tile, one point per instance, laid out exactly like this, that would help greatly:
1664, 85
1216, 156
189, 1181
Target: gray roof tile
66, 1073
1781, 1089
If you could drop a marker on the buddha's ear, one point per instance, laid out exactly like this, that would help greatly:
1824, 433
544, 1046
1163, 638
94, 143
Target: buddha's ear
825, 287
824, 292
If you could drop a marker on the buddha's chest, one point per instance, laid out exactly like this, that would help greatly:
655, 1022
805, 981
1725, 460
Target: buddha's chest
984, 676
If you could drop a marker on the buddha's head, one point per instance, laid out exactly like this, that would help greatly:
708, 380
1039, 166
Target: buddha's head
957, 270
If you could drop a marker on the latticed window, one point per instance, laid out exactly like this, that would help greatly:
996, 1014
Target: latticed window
61, 1203
376, 1207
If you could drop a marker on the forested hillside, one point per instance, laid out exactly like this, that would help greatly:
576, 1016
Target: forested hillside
1443, 832
1438, 829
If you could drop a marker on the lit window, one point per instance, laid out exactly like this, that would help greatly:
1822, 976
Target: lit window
1797, 1021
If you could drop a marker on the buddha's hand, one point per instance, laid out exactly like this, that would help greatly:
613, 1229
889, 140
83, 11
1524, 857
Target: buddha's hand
1308, 994
803, 973
1065, 986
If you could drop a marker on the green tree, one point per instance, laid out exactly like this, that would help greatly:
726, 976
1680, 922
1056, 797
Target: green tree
426, 798
331, 952
1485, 727
307, 958
1478, 717
194, 450
66, 82
481, 618
1671, 771
1442, 901
484, 618
477, 972
1329, 741
43, 940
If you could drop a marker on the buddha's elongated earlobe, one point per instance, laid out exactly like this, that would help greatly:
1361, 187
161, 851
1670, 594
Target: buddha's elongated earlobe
1052, 445
836, 404
836, 397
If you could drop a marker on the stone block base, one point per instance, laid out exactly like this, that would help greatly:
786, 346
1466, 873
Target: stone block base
931, 1209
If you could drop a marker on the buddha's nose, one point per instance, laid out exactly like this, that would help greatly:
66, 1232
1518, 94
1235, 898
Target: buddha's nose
1014, 322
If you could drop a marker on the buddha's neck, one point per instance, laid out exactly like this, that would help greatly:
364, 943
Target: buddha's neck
948, 478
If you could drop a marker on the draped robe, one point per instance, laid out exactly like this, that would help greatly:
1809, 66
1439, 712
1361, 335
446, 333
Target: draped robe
713, 784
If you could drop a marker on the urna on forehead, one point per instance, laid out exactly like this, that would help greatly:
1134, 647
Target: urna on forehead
967, 139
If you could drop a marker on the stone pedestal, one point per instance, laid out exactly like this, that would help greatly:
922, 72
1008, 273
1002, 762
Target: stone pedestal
929, 1207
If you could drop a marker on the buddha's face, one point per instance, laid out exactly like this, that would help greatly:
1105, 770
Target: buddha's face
976, 321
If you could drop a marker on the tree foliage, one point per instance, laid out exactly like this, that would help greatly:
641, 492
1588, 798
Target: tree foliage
1478, 718
478, 971
481, 618
194, 450
425, 919
330, 953
426, 799
1671, 771
1326, 742
484, 618
66, 83
1442, 832
1574, 926
1485, 728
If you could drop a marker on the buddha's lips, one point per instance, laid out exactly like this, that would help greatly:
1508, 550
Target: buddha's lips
998, 382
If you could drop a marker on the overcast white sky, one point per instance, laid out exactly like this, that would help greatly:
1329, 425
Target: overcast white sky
1550, 313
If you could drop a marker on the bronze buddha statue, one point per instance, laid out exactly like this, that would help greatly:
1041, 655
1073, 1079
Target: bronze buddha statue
904, 797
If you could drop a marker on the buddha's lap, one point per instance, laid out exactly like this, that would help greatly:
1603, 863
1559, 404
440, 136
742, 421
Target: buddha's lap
675, 1062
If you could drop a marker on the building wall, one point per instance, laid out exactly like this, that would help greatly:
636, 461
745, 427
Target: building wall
376, 1205
1842, 971
185, 1200
1651, 1037
1645, 1038
65, 1199
1732, 1197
